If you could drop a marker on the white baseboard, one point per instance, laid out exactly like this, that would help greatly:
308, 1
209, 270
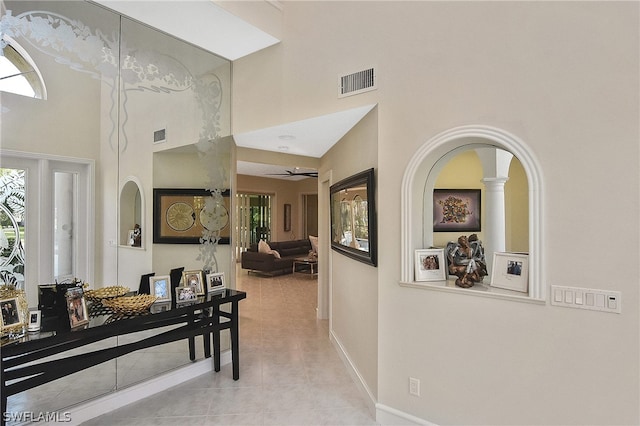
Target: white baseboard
130, 394
390, 416
355, 374
384, 415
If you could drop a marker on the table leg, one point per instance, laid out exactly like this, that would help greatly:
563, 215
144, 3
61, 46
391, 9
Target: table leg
235, 341
192, 340
3, 396
206, 337
216, 338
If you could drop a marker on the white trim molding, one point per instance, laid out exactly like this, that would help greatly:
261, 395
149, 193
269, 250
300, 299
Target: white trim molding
420, 172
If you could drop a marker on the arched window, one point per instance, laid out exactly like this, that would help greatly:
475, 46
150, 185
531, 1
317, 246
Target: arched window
18, 72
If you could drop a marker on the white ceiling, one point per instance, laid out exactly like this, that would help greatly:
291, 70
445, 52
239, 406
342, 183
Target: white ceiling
271, 171
201, 22
312, 137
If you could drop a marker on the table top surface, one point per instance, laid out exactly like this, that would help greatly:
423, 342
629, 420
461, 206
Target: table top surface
110, 319
306, 259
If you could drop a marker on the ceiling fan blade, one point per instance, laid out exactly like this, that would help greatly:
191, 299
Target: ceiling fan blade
292, 174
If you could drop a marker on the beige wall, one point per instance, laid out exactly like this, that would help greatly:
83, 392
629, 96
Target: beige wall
562, 77
354, 285
283, 192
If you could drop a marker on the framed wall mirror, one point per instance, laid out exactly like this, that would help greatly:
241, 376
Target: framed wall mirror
353, 217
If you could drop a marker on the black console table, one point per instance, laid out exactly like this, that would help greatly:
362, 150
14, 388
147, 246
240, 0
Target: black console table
22, 362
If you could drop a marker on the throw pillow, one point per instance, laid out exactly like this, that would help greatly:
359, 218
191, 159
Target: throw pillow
263, 247
314, 243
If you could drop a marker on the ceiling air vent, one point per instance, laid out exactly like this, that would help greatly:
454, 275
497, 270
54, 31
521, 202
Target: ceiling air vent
357, 82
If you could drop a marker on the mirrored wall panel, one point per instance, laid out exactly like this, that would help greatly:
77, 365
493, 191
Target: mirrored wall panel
97, 110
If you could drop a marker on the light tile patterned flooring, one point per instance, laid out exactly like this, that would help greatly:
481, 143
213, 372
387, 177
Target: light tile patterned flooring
290, 373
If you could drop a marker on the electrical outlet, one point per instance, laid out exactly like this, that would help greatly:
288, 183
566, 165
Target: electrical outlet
414, 386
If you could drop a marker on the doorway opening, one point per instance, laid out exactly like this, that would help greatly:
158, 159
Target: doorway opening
254, 220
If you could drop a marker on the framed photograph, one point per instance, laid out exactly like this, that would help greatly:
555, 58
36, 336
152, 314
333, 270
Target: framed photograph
77, 307
354, 229
11, 313
34, 321
287, 217
160, 287
430, 265
185, 294
510, 271
215, 282
193, 279
180, 216
456, 210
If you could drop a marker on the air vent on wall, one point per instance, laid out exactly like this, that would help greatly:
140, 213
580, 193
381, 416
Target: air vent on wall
357, 82
160, 136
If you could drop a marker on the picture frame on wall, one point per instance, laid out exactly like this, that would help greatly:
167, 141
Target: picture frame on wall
77, 308
215, 282
430, 265
456, 210
287, 217
180, 216
193, 279
160, 286
510, 271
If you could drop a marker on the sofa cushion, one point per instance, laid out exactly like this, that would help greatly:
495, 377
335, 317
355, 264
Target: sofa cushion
264, 247
314, 243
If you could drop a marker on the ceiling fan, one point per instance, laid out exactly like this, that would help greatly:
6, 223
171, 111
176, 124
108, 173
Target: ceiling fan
295, 172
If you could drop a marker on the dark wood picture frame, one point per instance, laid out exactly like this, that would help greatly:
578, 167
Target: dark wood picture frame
287, 217
184, 207
363, 185
456, 210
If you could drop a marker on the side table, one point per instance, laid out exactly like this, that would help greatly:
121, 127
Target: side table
306, 265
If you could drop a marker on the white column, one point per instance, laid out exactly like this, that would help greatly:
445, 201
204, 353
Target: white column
495, 165
495, 230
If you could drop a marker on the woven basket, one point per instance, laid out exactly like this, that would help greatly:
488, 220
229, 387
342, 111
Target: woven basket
100, 294
130, 304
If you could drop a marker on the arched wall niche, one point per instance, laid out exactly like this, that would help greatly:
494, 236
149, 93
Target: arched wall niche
131, 209
419, 179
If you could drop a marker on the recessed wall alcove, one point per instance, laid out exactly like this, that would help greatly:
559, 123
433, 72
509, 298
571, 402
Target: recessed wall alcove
417, 203
131, 210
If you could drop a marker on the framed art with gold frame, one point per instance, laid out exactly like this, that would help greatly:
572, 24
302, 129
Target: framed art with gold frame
181, 215
12, 316
193, 279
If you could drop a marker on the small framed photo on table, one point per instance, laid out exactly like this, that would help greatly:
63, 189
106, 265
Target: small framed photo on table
160, 287
215, 282
510, 271
77, 308
11, 313
185, 294
430, 265
193, 279
34, 321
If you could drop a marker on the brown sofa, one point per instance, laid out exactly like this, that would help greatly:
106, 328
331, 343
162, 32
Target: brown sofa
268, 264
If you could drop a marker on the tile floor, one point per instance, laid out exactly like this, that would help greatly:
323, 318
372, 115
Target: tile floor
290, 373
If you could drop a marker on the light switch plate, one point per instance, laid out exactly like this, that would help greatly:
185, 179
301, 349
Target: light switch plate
587, 298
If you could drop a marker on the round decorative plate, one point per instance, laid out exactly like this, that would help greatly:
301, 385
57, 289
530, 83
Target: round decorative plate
214, 218
180, 216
